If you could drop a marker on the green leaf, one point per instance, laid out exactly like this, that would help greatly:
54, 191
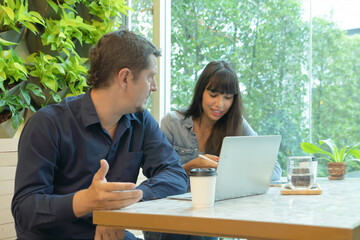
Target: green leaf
53, 5
311, 148
355, 153
66, 6
51, 84
342, 154
26, 96
21, 68
16, 120
331, 145
32, 108
56, 97
2, 76
32, 57
6, 43
9, 12
36, 90
31, 27
66, 52
37, 18
337, 155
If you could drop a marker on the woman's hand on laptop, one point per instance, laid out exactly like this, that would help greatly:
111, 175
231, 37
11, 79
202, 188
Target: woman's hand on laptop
203, 161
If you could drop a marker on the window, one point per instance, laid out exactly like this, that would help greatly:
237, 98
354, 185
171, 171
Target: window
266, 42
299, 78
150, 21
141, 22
335, 74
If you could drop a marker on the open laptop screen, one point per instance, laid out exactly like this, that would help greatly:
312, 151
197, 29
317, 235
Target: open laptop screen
246, 165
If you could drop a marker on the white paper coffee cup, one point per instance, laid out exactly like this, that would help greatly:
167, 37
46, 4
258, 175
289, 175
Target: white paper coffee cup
202, 184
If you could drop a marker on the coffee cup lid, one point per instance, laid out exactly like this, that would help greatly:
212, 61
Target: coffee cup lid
197, 172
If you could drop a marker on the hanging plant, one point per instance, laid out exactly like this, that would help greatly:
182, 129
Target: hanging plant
14, 94
58, 35
14, 14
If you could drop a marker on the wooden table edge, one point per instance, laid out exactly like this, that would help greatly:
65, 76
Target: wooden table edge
220, 227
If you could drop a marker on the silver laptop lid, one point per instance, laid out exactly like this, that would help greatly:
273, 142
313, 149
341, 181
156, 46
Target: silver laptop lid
246, 165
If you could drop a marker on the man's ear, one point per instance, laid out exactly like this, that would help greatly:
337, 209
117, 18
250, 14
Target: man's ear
122, 78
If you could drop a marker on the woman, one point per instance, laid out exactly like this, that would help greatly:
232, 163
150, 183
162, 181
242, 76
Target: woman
216, 111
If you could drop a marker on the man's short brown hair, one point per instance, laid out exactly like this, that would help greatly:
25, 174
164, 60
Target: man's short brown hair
118, 50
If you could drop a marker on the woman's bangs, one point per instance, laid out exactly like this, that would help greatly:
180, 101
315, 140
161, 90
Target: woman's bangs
223, 83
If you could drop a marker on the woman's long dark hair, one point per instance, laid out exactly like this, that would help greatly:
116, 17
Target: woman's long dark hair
218, 76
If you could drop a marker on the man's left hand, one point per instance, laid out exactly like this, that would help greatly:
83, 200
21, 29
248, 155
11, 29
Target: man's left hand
104, 233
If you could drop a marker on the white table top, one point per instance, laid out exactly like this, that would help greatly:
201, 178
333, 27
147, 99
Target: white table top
335, 214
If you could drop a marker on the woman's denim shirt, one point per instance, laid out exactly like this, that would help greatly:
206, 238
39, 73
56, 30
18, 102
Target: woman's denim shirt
180, 133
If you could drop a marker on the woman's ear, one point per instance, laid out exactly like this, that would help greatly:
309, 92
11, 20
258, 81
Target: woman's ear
122, 78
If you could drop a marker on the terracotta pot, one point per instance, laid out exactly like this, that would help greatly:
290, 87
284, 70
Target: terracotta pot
337, 170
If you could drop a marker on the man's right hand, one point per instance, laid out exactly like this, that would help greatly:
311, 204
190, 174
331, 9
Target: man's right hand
103, 195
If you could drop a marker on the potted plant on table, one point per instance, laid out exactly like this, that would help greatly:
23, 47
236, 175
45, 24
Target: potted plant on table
336, 157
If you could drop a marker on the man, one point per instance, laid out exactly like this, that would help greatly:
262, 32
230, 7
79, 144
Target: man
58, 181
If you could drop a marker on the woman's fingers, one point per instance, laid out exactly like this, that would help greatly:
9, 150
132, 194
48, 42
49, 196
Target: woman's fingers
212, 157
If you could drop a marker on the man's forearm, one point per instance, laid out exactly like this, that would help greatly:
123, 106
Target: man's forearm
167, 182
81, 203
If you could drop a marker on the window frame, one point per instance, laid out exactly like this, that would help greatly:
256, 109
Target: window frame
162, 39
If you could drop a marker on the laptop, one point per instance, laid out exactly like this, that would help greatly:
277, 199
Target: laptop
246, 165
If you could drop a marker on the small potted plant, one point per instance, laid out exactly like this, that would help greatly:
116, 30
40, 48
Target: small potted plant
337, 157
14, 91
14, 17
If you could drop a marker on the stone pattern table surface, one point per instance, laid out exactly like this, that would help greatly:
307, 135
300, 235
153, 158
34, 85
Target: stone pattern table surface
335, 214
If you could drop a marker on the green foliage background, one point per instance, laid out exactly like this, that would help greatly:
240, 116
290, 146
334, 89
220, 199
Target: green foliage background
267, 42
